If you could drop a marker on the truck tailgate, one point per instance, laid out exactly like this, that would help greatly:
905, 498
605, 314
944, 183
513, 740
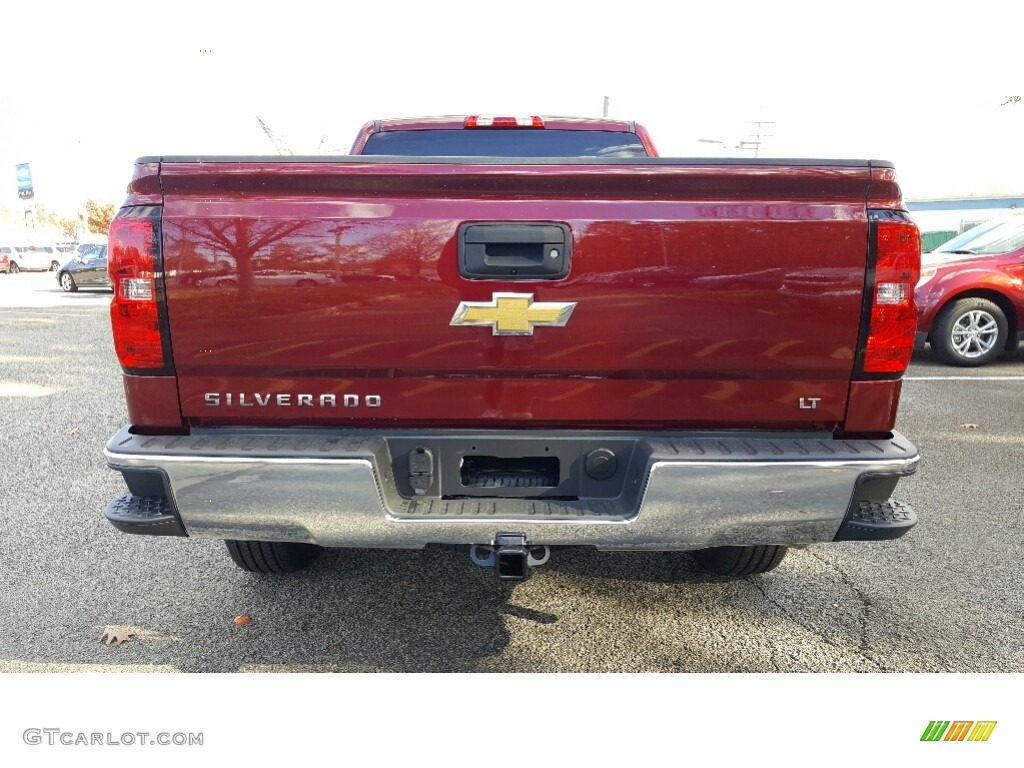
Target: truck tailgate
325, 293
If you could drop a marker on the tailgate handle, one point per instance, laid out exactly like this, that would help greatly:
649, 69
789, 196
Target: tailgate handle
514, 251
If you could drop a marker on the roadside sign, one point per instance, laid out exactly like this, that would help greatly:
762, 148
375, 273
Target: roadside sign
25, 182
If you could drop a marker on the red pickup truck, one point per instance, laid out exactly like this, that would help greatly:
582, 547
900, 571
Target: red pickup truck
511, 335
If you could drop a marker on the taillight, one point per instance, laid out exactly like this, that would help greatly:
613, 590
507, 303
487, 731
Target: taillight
134, 266
480, 121
893, 320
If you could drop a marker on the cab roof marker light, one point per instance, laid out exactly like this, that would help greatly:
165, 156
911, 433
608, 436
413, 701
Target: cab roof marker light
490, 121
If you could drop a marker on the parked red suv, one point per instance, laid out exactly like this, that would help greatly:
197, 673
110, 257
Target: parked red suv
970, 298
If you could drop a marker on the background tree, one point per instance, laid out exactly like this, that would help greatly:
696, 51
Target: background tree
283, 147
98, 216
67, 226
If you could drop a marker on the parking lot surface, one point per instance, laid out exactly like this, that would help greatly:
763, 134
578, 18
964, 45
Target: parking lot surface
946, 597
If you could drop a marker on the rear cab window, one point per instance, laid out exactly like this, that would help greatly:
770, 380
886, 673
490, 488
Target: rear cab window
505, 142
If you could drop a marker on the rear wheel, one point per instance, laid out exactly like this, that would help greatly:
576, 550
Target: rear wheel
272, 556
67, 282
54, 266
969, 332
15, 269
740, 561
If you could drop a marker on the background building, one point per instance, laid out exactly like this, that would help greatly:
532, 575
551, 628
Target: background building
944, 218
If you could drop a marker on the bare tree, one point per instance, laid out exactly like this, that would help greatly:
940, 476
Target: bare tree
68, 226
279, 144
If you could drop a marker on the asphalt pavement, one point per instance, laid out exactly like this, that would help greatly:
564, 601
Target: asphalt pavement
946, 597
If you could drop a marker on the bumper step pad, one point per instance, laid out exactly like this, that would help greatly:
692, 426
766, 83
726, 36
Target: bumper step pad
150, 515
876, 520
513, 509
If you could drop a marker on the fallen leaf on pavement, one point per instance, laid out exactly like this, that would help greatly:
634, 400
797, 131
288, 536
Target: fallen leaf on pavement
117, 635
244, 619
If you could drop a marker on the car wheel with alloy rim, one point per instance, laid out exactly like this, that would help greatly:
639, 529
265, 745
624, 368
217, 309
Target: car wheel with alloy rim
969, 332
67, 282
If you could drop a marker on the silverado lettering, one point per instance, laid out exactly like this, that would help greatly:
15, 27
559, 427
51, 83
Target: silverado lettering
285, 399
728, 384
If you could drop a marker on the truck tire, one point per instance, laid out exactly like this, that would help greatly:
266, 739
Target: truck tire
272, 556
740, 561
969, 332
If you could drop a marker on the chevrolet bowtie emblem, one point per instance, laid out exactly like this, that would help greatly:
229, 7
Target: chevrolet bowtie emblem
513, 314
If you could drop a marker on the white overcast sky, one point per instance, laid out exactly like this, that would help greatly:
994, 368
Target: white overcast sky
86, 90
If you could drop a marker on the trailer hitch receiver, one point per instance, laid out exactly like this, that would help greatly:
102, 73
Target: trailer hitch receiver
510, 555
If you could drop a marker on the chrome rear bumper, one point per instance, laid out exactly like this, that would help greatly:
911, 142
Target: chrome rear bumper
338, 488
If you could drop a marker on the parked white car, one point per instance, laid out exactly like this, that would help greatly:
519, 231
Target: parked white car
35, 257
